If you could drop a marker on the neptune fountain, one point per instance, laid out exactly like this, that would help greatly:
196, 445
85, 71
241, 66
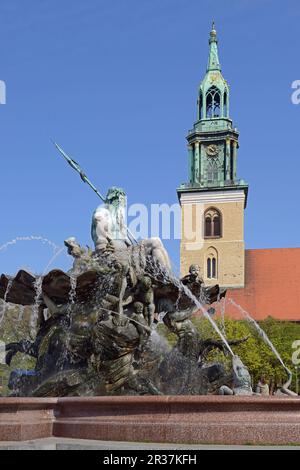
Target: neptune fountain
96, 323
96, 330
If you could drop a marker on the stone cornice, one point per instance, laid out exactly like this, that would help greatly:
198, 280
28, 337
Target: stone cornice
213, 195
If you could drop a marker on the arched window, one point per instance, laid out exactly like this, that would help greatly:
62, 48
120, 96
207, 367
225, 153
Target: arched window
225, 105
212, 223
209, 268
217, 225
200, 102
213, 102
212, 263
208, 226
214, 268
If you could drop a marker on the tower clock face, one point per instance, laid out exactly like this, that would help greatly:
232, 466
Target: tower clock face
212, 150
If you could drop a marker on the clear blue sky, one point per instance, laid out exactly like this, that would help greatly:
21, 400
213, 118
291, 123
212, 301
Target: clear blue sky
115, 83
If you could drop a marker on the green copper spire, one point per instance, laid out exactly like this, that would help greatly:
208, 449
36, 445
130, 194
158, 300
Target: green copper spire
213, 140
213, 100
213, 60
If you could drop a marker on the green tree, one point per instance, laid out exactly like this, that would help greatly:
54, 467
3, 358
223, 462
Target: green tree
13, 328
256, 355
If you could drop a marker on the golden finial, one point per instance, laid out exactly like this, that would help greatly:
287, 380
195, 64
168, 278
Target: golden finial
213, 33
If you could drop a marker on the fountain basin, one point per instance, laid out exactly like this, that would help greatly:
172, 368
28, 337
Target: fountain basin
161, 419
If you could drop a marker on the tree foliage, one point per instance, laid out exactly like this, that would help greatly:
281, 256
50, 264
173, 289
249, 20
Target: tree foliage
255, 354
15, 326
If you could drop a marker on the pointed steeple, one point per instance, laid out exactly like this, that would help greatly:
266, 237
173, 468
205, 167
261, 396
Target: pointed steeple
213, 141
213, 60
213, 98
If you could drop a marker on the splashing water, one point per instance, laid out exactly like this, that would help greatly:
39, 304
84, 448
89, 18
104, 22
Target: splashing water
159, 343
262, 334
71, 303
223, 309
161, 316
72, 293
21, 312
68, 322
37, 302
167, 276
9, 286
5, 303
30, 238
56, 255
47, 314
205, 314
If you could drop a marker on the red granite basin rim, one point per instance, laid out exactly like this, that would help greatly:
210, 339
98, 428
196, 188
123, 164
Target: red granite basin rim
174, 419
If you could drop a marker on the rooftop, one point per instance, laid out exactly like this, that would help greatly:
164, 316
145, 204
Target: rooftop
272, 284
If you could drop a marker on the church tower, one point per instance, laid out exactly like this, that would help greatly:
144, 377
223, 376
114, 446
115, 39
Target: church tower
214, 199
